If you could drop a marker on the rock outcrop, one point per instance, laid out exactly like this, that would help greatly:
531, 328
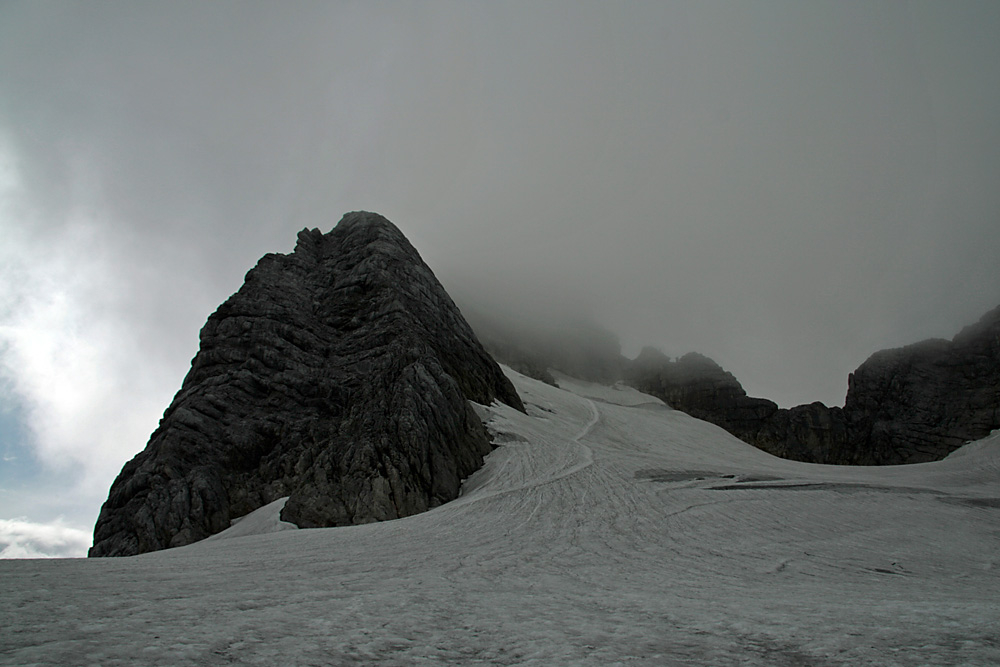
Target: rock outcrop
907, 405
700, 387
923, 401
339, 375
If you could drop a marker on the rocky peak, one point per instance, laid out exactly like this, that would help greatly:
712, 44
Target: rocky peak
339, 375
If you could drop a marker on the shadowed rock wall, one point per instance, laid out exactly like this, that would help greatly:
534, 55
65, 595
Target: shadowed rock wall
906, 405
338, 375
923, 401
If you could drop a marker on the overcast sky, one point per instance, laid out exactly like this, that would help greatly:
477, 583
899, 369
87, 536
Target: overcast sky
786, 187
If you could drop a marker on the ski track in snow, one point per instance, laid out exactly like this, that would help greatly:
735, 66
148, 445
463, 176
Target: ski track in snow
605, 530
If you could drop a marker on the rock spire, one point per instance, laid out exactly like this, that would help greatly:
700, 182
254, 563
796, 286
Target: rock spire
339, 375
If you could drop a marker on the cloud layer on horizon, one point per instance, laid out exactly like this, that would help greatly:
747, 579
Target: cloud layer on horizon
20, 538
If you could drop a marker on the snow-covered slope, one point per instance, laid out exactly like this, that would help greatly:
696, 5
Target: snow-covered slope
606, 529
266, 519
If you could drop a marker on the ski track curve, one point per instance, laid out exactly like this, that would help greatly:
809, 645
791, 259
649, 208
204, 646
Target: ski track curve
586, 459
595, 534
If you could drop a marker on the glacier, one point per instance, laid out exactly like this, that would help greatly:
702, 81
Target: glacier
604, 529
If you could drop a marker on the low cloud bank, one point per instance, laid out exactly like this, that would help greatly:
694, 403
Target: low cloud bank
20, 538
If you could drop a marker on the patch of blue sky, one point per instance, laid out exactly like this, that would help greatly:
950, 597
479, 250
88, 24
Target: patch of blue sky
18, 464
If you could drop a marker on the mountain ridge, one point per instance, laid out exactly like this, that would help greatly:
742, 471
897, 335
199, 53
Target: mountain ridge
910, 404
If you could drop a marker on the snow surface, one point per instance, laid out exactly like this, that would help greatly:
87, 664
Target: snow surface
600, 532
263, 520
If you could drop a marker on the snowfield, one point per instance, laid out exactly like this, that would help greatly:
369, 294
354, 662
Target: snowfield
606, 529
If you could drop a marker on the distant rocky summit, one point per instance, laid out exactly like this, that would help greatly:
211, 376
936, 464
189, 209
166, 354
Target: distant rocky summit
923, 401
907, 405
339, 375
700, 387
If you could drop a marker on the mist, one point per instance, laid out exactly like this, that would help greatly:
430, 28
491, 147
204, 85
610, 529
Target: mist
783, 187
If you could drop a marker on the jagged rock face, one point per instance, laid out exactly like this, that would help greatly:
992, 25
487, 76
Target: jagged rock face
339, 375
923, 401
812, 432
700, 387
907, 405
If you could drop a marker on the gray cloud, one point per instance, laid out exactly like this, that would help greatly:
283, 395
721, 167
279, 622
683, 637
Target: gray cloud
785, 187
23, 539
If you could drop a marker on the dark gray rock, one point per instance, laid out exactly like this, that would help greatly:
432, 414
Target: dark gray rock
921, 402
700, 387
811, 432
906, 405
339, 375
